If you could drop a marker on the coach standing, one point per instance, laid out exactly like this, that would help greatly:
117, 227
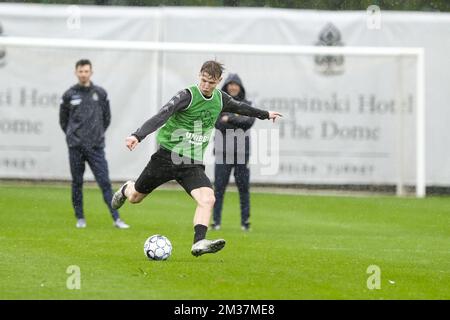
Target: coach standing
84, 117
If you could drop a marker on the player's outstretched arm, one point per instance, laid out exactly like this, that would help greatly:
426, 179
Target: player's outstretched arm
179, 102
240, 107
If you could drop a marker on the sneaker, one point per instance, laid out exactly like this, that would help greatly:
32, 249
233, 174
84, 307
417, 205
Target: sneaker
120, 224
245, 226
214, 227
207, 246
81, 223
118, 198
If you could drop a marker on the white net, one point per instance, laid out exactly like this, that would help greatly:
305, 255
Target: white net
349, 118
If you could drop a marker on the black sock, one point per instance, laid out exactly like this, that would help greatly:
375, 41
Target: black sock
123, 189
200, 232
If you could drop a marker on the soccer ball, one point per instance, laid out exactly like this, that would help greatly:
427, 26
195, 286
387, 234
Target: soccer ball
157, 247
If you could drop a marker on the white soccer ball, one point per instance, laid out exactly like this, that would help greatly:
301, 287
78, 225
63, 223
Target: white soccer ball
157, 247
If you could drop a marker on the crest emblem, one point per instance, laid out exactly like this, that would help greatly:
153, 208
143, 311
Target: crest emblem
329, 64
207, 118
95, 96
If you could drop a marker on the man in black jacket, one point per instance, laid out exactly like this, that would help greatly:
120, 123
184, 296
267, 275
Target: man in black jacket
232, 150
84, 117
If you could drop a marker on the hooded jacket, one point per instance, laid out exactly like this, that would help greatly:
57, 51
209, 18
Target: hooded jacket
234, 122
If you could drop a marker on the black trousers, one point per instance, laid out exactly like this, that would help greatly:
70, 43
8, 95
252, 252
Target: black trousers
95, 157
222, 177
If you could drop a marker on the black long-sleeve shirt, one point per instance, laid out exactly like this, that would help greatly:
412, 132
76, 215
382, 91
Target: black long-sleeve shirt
181, 101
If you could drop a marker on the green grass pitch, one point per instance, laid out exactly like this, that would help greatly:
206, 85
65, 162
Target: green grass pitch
301, 247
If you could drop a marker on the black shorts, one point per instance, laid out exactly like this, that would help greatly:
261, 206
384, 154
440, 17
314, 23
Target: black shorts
161, 169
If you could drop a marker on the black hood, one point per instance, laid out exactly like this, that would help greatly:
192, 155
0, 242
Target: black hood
233, 77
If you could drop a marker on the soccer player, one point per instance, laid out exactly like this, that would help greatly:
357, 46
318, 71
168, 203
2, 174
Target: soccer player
187, 121
84, 116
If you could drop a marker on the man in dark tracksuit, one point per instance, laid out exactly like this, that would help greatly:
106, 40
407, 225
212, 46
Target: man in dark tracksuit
84, 117
232, 150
